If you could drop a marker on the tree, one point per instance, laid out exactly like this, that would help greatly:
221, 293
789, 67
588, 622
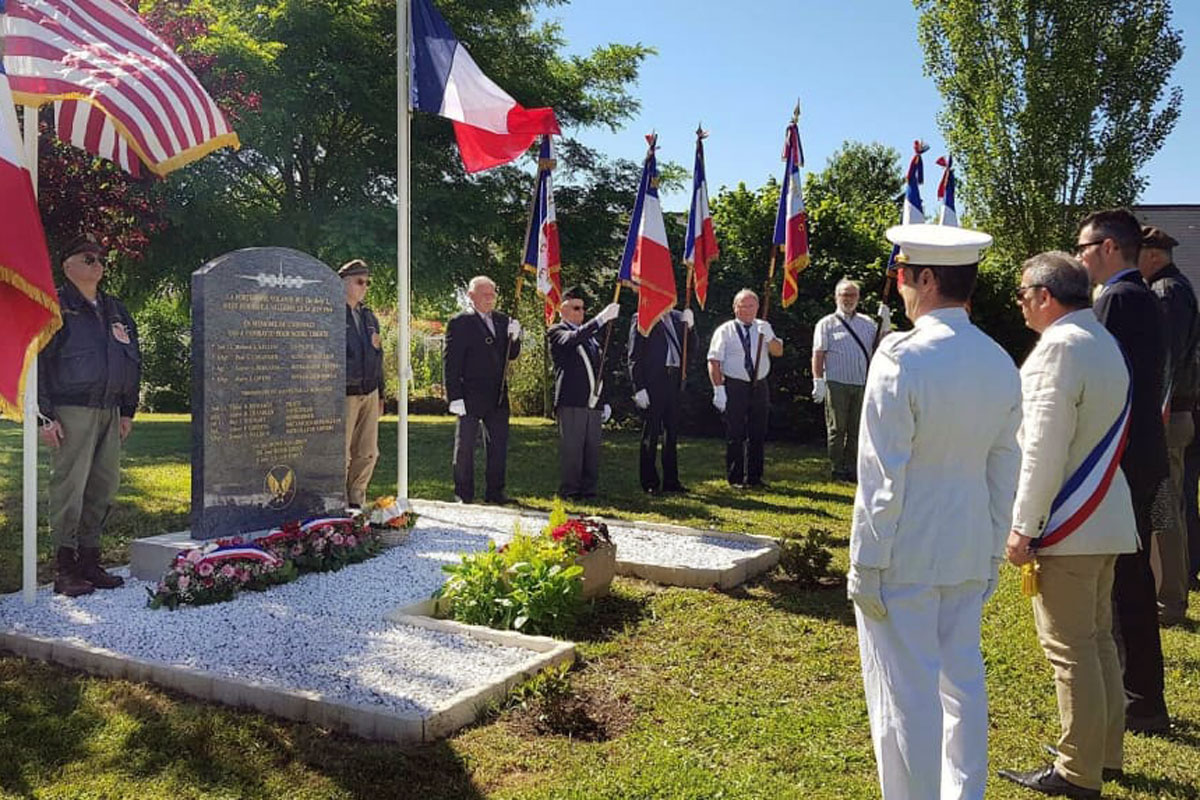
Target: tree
1051, 107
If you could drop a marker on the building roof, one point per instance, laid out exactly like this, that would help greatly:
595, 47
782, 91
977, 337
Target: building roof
1183, 223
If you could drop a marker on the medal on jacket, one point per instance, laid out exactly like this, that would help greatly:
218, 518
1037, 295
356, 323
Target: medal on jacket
375, 341
120, 332
1029, 579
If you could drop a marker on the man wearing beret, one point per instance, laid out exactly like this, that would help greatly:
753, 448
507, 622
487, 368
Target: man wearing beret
364, 383
937, 473
1169, 552
88, 380
579, 393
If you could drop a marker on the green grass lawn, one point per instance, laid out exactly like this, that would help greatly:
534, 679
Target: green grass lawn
752, 693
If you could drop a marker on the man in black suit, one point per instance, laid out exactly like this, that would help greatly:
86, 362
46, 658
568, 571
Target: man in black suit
578, 393
1108, 243
479, 343
655, 362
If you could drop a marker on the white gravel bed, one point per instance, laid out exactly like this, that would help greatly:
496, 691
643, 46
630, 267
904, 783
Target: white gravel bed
637, 545
324, 632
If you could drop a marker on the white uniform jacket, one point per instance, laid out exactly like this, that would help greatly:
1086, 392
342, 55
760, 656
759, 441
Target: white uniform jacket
937, 454
1074, 385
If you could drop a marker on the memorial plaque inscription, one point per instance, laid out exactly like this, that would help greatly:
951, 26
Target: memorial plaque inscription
268, 391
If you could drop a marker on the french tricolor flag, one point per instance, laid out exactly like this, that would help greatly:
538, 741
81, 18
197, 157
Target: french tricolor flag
492, 128
946, 192
27, 295
646, 263
791, 218
700, 248
542, 255
914, 210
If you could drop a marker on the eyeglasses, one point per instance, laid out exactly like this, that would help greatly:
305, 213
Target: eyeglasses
1079, 248
363, 281
92, 260
1021, 290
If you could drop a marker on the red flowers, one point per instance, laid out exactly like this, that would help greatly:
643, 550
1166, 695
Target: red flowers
581, 535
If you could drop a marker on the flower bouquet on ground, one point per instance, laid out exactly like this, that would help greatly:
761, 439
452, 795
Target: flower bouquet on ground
586, 539
392, 520
219, 570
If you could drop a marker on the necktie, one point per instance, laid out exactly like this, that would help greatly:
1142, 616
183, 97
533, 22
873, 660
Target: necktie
672, 343
747, 359
487, 320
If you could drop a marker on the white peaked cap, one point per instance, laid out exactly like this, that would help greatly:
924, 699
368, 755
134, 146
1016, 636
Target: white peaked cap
938, 245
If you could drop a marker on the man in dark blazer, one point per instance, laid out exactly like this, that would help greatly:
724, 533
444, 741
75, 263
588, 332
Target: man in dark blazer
655, 362
479, 344
578, 394
1108, 243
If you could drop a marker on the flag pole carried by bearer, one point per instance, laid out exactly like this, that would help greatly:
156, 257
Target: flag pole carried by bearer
700, 248
791, 229
913, 213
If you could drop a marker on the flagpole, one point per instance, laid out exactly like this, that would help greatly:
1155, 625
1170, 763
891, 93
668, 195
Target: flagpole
29, 440
533, 198
403, 241
766, 307
687, 304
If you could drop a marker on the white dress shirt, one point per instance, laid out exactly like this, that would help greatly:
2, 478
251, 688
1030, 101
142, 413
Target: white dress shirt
937, 454
1073, 386
726, 347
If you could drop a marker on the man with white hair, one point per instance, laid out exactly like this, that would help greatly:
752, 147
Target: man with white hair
937, 470
479, 344
842, 345
739, 360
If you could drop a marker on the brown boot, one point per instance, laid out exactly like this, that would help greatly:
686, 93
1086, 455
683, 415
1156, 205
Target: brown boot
91, 571
67, 580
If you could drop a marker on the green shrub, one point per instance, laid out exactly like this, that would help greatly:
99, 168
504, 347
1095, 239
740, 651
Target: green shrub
532, 585
806, 559
165, 339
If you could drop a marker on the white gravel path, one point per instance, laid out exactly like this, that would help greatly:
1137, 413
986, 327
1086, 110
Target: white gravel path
326, 632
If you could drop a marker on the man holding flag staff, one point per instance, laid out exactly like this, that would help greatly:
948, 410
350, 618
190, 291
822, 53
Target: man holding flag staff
740, 390
578, 394
1074, 514
937, 468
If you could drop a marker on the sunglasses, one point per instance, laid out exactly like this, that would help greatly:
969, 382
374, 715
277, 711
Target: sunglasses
363, 281
92, 260
1082, 246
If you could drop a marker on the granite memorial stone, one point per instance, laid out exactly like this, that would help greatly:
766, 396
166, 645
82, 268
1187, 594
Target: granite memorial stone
268, 391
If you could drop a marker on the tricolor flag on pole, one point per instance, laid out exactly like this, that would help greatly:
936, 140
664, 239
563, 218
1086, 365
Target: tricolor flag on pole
646, 263
120, 92
31, 312
700, 248
541, 242
791, 220
945, 192
491, 127
913, 212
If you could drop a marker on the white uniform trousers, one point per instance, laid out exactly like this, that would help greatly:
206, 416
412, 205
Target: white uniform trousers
923, 674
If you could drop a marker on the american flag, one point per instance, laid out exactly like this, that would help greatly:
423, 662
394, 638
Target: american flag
120, 92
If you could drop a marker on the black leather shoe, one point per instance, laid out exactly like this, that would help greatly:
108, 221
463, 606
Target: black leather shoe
1047, 781
1106, 774
1154, 725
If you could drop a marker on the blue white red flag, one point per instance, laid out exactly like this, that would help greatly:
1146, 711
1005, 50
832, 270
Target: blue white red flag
120, 91
945, 192
31, 312
491, 127
913, 212
646, 263
791, 218
542, 256
700, 248
1087, 486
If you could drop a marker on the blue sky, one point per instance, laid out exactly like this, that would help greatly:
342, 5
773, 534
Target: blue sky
855, 65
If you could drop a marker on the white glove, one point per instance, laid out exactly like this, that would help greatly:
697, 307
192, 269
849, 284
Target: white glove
820, 390
994, 580
514, 329
642, 399
719, 399
608, 314
864, 585
885, 317
688, 317
605, 413
766, 331
458, 408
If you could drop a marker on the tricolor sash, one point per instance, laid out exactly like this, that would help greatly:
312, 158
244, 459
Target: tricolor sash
1086, 487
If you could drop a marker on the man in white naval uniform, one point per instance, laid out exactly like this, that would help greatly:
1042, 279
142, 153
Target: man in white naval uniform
937, 469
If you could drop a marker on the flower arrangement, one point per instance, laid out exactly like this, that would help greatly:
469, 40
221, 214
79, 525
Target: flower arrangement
580, 536
219, 570
392, 521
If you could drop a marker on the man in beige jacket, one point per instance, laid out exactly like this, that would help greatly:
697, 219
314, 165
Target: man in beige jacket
1073, 513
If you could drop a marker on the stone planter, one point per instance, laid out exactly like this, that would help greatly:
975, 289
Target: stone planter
599, 567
